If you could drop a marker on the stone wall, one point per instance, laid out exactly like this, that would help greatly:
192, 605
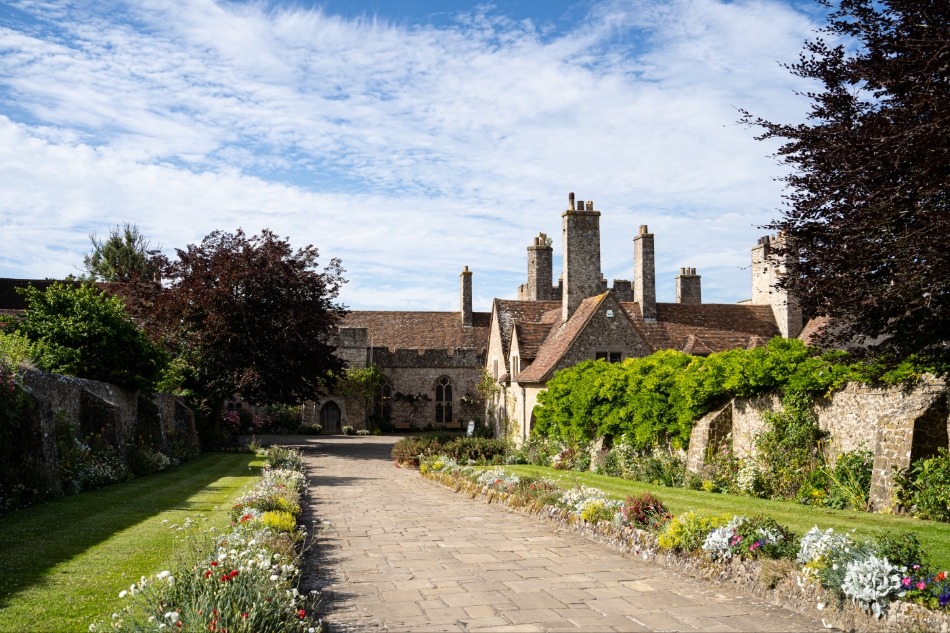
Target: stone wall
898, 424
91, 407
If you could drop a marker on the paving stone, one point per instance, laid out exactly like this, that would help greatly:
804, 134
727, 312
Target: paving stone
401, 553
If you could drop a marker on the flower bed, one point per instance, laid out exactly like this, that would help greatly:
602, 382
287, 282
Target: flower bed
847, 581
244, 580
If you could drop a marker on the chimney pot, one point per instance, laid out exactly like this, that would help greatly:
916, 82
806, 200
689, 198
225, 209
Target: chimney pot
590, 205
570, 201
682, 271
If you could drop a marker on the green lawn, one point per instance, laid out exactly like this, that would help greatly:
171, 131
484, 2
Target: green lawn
935, 537
66, 561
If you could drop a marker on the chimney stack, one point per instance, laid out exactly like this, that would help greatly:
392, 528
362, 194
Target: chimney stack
767, 268
581, 248
465, 280
644, 274
688, 288
540, 270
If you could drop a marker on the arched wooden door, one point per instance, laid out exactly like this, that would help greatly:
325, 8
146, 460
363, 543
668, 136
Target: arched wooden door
330, 417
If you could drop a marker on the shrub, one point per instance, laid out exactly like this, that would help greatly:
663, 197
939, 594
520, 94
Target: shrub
763, 537
145, 460
309, 429
847, 481
81, 332
348, 430
787, 451
688, 531
872, 582
658, 466
411, 450
645, 511
924, 488
901, 548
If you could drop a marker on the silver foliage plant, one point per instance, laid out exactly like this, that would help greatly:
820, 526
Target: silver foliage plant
872, 582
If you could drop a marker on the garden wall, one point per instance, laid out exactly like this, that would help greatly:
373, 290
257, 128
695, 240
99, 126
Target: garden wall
117, 414
898, 424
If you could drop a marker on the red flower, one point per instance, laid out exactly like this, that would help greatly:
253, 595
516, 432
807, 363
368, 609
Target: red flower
207, 573
225, 578
214, 563
266, 599
243, 615
941, 575
178, 624
302, 614
234, 573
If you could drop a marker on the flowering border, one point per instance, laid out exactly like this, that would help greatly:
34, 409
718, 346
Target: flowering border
795, 591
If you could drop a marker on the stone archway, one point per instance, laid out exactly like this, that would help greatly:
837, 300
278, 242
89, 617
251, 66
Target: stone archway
331, 417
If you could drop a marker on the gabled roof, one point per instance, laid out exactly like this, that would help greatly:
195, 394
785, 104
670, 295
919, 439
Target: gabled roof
715, 327
561, 337
421, 330
510, 312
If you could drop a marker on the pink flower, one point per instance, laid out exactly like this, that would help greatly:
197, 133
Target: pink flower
906, 582
921, 586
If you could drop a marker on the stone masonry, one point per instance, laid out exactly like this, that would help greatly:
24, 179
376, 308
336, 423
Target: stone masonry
898, 424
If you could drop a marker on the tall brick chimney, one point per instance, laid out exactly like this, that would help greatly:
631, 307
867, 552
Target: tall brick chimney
581, 243
465, 281
688, 288
644, 273
767, 268
540, 270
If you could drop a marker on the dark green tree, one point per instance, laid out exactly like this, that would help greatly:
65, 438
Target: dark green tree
868, 213
81, 332
125, 256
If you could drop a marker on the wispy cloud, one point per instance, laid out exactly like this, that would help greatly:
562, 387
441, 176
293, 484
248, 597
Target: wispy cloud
407, 151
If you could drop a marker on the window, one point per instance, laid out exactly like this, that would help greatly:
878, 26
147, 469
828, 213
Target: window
383, 406
610, 357
614, 357
600, 356
515, 366
443, 401
496, 369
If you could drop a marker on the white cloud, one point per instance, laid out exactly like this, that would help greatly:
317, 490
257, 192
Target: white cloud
407, 151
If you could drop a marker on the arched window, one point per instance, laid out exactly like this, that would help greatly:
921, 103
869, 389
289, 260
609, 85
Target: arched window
443, 401
383, 406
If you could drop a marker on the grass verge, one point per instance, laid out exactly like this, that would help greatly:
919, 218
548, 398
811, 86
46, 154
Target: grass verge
935, 537
66, 561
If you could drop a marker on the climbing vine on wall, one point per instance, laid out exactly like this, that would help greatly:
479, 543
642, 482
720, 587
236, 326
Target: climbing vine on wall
656, 399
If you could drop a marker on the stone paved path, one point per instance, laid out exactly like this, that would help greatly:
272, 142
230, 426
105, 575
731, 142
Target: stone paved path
406, 554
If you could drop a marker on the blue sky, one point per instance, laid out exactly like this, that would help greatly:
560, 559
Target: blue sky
408, 138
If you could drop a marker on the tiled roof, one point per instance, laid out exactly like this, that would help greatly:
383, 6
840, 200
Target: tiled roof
530, 338
559, 341
714, 327
510, 312
812, 328
421, 330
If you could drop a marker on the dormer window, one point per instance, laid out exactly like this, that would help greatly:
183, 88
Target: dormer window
610, 314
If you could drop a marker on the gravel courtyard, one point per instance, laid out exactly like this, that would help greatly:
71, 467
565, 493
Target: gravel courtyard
405, 554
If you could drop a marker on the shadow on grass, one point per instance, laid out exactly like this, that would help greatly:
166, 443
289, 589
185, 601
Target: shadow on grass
35, 540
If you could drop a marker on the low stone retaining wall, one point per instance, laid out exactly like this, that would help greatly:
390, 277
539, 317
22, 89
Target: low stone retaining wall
777, 582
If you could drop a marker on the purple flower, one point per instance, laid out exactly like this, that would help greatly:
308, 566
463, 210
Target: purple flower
944, 599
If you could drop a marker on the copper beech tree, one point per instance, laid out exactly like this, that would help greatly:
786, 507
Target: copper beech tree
249, 315
867, 209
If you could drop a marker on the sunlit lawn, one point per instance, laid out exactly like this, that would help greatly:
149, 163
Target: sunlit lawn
935, 537
65, 562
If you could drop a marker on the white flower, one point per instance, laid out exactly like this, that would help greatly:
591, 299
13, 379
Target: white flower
173, 616
275, 577
123, 594
821, 605
163, 574
165, 521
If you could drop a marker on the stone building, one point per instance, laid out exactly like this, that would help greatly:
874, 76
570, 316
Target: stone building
433, 362
552, 327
